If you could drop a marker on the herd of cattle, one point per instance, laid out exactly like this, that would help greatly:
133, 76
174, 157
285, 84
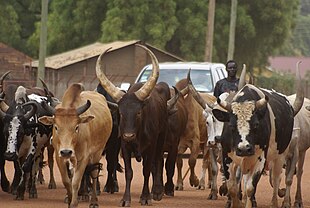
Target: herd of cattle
245, 133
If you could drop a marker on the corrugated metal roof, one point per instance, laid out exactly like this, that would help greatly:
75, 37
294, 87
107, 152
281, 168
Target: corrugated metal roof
288, 64
70, 57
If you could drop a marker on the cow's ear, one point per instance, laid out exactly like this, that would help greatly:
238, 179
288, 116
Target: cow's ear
221, 115
47, 120
85, 119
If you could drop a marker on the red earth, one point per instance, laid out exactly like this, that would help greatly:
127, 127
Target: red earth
190, 197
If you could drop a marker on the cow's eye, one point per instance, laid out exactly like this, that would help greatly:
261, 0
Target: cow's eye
77, 128
56, 128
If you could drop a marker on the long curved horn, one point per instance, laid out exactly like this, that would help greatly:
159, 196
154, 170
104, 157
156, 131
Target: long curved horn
172, 101
45, 88
115, 93
49, 109
194, 92
32, 111
262, 102
147, 88
242, 78
299, 100
224, 104
83, 108
1, 84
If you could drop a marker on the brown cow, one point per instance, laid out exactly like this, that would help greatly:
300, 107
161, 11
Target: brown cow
143, 127
82, 124
194, 136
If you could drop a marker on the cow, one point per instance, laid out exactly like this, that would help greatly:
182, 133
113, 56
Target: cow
177, 121
256, 134
143, 127
82, 124
112, 148
194, 137
25, 139
297, 151
5, 184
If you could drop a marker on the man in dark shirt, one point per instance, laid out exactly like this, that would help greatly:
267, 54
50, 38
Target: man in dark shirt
229, 84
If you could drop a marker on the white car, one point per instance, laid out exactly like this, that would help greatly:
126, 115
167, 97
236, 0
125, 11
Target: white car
204, 75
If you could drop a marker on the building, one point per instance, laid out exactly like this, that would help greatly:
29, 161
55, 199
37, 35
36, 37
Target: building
13, 60
122, 63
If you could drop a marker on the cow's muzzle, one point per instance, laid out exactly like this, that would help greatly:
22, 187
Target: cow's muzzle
10, 156
129, 136
248, 150
66, 153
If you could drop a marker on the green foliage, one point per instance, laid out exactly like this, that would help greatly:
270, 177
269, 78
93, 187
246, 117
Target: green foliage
9, 27
284, 83
150, 21
178, 26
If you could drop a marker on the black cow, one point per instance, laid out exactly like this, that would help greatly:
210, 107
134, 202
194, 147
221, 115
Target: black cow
5, 184
25, 138
177, 121
257, 131
112, 148
143, 127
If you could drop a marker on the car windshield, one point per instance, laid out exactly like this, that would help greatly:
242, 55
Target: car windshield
201, 78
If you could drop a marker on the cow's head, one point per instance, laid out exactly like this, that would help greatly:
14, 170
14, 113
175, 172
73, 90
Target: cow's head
16, 126
245, 123
66, 127
131, 103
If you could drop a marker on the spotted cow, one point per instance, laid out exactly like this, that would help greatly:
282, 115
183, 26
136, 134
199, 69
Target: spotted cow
256, 134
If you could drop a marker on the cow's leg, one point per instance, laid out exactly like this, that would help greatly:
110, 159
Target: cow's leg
276, 167
193, 179
76, 182
298, 197
17, 178
205, 165
33, 189
214, 171
126, 200
112, 151
170, 167
5, 184
50, 154
65, 172
146, 198
291, 162
232, 185
158, 184
179, 185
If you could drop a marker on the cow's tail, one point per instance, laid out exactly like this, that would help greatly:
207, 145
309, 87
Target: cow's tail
300, 92
119, 168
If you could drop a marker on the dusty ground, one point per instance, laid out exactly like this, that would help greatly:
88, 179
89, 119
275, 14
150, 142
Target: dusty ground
190, 197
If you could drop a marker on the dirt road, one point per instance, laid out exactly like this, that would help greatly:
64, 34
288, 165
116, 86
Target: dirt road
190, 197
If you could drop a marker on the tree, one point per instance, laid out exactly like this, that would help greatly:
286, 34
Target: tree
151, 21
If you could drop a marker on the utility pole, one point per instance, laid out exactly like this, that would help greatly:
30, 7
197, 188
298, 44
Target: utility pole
210, 31
43, 39
232, 30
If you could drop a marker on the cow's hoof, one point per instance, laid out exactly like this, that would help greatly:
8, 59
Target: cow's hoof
169, 190
52, 185
281, 192
201, 187
33, 195
193, 181
223, 190
19, 197
212, 196
146, 202
5, 185
83, 198
157, 197
298, 204
124, 203
286, 205
93, 205
179, 187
